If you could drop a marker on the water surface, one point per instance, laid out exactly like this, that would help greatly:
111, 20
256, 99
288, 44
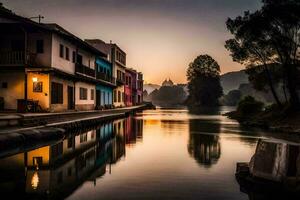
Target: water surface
157, 154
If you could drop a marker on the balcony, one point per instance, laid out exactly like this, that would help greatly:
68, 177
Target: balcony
105, 77
17, 58
120, 81
79, 68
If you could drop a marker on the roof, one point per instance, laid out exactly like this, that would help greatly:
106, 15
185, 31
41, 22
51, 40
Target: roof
53, 28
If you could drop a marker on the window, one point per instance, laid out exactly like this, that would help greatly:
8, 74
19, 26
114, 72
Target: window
119, 96
74, 57
83, 137
40, 46
57, 150
37, 161
70, 142
4, 85
56, 93
92, 94
67, 53
115, 96
61, 50
37, 86
83, 94
79, 59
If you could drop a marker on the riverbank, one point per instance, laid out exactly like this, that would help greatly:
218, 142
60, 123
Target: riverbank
12, 121
277, 120
34, 129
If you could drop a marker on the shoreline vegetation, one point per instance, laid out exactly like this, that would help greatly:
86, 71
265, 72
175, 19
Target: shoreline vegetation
266, 42
272, 118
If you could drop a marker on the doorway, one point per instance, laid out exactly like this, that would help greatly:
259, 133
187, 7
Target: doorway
70, 98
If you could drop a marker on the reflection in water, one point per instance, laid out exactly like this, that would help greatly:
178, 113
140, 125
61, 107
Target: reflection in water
204, 147
55, 171
149, 156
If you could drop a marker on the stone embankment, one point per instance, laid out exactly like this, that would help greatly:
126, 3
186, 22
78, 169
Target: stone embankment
23, 132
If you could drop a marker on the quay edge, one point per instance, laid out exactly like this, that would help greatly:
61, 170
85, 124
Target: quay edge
17, 139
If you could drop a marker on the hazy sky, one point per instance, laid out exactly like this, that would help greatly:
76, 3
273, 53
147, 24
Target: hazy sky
160, 37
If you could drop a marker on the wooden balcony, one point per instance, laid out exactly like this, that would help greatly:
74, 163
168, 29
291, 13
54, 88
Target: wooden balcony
79, 68
105, 77
17, 58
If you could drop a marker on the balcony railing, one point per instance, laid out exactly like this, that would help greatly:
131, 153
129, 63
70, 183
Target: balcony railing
84, 70
105, 77
17, 58
120, 80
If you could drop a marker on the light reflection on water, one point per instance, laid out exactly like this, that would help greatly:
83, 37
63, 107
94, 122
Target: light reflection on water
157, 154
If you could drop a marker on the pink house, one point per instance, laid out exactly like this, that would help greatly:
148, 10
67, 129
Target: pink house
130, 87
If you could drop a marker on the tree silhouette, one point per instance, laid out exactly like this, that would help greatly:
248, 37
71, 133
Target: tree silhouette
204, 85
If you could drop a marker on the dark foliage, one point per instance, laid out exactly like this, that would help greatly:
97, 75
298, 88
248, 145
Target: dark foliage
204, 85
249, 106
270, 35
168, 95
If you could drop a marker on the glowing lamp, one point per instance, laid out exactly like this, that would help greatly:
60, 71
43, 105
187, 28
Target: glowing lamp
34, 79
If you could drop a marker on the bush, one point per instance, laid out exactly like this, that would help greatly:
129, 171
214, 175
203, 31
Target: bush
249, 106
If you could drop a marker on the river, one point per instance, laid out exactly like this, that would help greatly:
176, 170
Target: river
155, 154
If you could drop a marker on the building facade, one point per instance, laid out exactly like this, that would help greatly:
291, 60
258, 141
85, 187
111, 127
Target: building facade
117, 57
104, 91
43, 67
130, 87
140, 88
46, 64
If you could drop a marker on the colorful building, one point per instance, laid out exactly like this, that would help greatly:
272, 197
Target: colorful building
43, 67
118, 59
130, 87
139, 90
46, 65
104, 91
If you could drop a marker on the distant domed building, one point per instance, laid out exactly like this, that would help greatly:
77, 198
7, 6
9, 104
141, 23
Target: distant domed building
168, 83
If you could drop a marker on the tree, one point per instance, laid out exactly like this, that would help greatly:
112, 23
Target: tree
270, 35
204, 85
249, 48
162, 96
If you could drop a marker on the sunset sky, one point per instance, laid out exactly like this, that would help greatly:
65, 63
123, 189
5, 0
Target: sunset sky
160, 37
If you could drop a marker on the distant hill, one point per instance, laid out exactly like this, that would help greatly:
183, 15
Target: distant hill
151, 87
232, 80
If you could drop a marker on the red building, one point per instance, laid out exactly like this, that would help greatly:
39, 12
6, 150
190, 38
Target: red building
130, 87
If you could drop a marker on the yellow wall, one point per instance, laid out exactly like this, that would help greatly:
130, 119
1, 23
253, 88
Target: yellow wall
42, 97
41, 152
15, 88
